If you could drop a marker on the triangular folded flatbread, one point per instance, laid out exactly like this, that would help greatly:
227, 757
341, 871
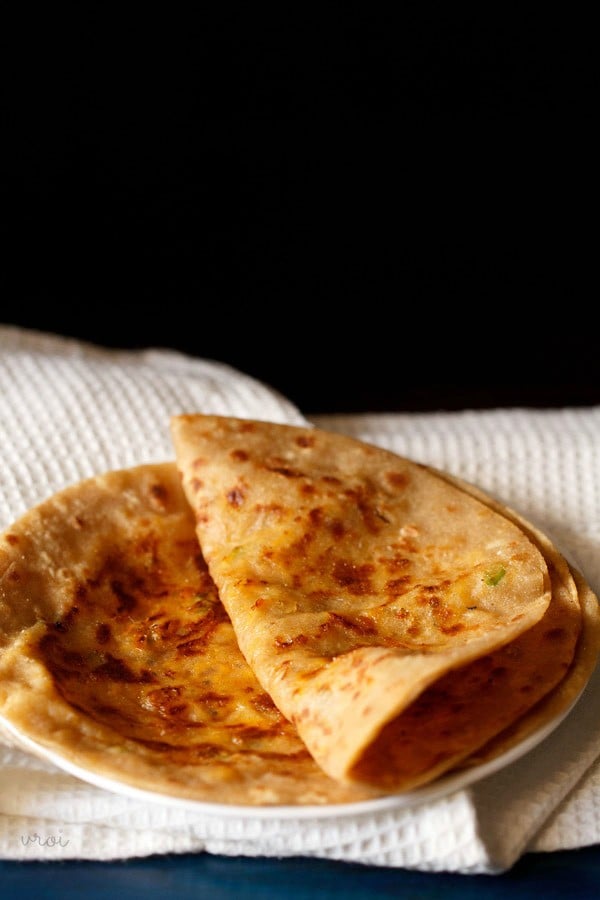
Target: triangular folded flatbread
378, 603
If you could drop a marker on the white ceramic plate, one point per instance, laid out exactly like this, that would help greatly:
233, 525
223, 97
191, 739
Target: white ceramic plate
439, 788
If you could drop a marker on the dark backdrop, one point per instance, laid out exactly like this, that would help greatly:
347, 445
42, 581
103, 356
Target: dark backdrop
366, 214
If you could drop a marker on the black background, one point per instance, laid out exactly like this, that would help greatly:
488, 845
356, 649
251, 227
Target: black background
366, 213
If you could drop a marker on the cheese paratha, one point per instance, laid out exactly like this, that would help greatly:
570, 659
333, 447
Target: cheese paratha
358, 583
116, 653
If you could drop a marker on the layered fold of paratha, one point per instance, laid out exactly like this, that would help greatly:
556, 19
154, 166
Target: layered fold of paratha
380, 605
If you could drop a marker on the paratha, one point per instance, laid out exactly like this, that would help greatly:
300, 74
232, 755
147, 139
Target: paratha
570, 628
358, 584
116, 654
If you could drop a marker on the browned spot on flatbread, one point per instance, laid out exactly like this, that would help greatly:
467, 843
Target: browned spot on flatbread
355, 578
235, 497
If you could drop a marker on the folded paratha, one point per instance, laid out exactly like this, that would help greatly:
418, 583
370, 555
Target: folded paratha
380, 605
569, 628
116, 654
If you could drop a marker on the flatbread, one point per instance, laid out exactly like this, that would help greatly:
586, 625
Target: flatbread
569, 628
116, 654
356, 582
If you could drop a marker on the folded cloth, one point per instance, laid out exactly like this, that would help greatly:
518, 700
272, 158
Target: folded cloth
68, 411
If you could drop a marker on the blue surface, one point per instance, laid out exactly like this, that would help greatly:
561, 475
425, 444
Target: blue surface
572, 874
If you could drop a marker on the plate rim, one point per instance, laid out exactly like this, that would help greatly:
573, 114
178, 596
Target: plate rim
436, 790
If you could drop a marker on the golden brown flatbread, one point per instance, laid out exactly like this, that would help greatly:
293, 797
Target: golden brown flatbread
570, 628
116, 654
376, 602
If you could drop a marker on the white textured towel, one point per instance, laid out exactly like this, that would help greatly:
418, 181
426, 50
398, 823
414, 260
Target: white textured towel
68, 411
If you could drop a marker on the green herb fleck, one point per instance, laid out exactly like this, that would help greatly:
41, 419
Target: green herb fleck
494, 578
237, 551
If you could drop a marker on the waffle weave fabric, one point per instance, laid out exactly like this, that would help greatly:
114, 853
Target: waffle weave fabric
68, 411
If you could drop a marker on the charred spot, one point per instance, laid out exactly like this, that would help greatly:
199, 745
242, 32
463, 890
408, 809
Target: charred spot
251, 732
113, 669
81, 592
371, 516
316, 516
413, 630
127, 601
305, 440
193, 647
263, 704
196, 484
337, 528
299, 547
286, 471
308, 488
397, 586
72, 658
246, 427
235, 496
160, 746
330, 479
452, 629
555, 634
67, 622
498, 672
239, 455
361, 625
12, 539
268, 508
159, 495
356, 579
397, 480
14, 575
102, 633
